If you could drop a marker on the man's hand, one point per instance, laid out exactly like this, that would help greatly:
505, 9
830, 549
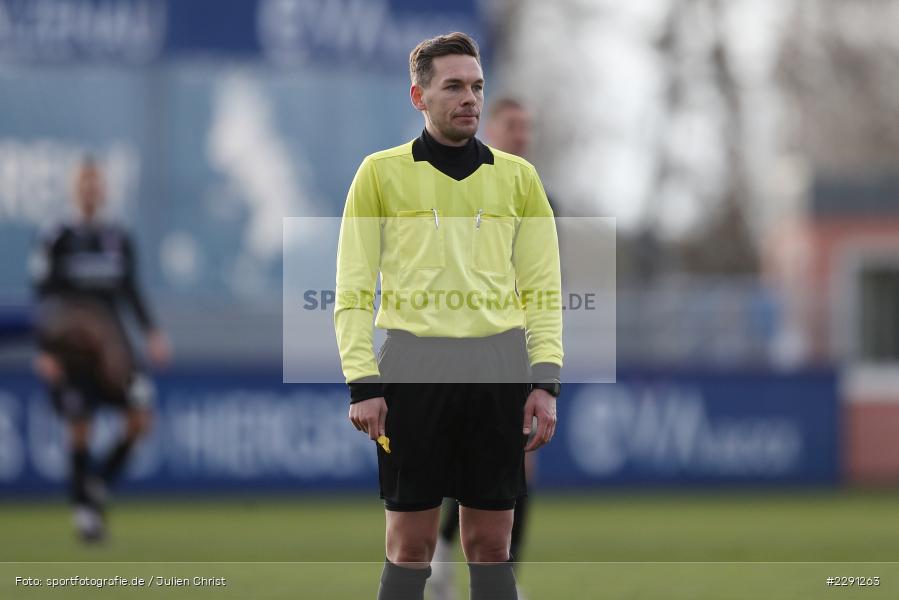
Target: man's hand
369, 416
158, 349
540, 404
48, 368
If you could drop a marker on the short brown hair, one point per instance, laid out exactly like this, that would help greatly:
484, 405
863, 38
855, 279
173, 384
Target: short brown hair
423, 55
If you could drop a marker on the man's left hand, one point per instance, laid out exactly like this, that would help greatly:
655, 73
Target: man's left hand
159, 349
540, 404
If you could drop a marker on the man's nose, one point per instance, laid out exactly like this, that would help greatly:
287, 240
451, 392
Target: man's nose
469, 97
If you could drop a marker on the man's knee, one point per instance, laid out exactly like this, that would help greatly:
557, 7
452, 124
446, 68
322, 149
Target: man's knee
412, 552
486, 535
408, 545
79, 434
486, 547
487, 553
139, 423
412, 536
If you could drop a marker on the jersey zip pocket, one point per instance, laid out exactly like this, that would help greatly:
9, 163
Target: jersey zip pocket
492, 245
420, 239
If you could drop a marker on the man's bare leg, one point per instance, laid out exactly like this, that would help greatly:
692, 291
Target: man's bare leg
88, 518
486, 537
137, 424
410, 542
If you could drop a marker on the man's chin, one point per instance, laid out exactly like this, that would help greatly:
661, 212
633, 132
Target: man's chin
461, 134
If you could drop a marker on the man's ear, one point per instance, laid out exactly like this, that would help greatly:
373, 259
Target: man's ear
415, 96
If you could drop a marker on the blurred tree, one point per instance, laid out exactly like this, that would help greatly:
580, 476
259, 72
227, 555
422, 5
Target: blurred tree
840, 66
664, 114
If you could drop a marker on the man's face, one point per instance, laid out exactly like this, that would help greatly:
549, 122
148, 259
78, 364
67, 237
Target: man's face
89, 192
452, 101
510, 130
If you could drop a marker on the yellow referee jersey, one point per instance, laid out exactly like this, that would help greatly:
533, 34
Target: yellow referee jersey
468, 258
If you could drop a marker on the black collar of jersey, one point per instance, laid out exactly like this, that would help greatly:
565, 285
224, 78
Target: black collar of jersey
457, 162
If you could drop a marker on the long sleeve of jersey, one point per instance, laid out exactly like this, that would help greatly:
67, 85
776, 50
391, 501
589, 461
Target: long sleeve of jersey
44, 267
358, 264
539, 281
44, 270
131, 290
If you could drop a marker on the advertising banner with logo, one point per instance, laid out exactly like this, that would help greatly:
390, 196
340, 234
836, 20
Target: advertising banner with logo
371, 33
245, 431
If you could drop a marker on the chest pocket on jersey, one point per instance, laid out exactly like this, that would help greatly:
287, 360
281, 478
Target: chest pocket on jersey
492, 245
420, 239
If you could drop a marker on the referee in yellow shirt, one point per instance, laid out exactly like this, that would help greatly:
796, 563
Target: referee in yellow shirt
464, 240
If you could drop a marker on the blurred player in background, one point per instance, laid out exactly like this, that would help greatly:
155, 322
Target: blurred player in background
507, 128
83, 273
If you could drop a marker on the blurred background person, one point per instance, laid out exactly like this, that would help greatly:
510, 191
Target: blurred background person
509, 126
84, 273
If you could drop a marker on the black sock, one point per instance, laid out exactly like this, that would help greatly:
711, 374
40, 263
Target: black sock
492, 581
402, 583
80, 463
450, 521
518, 524
115, 461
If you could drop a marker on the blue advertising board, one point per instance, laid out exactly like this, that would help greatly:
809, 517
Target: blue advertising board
366, 33
211, 122
240, 430
701, 427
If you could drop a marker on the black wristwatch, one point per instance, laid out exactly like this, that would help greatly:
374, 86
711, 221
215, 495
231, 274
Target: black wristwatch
552, 386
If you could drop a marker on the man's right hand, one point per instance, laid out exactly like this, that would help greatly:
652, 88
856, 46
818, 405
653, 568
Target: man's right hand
48, 368
369, 416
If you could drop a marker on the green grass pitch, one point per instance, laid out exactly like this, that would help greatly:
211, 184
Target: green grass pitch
647, 545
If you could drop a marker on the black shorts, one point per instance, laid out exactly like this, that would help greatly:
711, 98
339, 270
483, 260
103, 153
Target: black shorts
452, 439
80, 400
